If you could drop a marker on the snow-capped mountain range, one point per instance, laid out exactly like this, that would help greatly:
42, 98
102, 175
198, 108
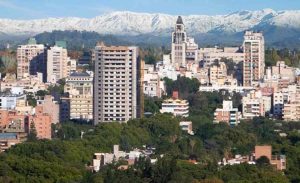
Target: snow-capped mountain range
130, 23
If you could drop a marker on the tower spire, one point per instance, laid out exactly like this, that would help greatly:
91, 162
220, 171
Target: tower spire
179, 20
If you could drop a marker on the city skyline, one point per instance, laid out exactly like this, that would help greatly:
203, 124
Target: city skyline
16, 9
133, 95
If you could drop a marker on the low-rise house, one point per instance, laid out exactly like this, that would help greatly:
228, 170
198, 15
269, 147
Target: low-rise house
238, 159
102, 159
187, 126
227, 114
175, 106
277, 161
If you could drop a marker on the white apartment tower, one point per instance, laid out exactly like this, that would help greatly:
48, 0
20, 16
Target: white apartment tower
31, 58
254, 58
117, 84
179, 39
57, 64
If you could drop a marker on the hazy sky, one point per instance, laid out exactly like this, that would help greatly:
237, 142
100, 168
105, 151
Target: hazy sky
32, 9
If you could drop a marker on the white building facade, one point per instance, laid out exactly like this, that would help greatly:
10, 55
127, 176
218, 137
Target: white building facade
175, 106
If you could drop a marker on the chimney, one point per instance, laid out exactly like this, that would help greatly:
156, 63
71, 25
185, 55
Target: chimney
175, 95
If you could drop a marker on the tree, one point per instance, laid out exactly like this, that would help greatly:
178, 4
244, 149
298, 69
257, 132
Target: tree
4, 169
263, 161
32, 136
66, 159
164, 170
31, 100
185, 86
42, 93
152, 104
151, 54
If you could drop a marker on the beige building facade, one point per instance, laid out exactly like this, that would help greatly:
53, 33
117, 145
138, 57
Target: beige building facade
31, 58
254, 58
51, 107
80, 89
117, 84
57, 64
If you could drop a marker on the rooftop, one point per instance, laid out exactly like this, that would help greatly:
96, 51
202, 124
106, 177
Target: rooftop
8, 135
79, 74
175, 101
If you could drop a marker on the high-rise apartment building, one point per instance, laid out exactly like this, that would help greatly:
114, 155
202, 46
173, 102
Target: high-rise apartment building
117, 84
58, 63
254, 58
79, 85
31, 58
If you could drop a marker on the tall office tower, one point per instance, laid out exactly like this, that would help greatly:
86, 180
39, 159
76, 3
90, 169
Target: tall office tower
117, 84
254, 58
79, 85
31, 58
57, 63
179, 39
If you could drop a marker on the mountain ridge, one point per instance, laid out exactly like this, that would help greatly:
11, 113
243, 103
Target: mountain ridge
132, 23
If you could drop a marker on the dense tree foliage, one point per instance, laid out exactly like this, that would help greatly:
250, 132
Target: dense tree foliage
203, 104
64, 159
152, 54
152, 104
290, 57
185, 86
